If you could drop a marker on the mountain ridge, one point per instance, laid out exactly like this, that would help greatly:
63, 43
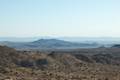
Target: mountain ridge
47, 44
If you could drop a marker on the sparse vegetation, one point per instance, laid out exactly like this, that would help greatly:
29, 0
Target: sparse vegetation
85, 64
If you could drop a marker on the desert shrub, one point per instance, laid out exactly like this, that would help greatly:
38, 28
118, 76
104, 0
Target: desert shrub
26, 63
41, 62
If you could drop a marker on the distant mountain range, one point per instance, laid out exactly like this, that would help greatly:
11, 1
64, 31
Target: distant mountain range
48, 44
101, 40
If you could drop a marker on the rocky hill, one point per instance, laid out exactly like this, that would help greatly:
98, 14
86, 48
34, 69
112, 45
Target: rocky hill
56, 65
116, 46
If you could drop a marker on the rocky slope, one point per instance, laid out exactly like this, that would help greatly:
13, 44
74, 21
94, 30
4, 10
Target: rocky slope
36, 65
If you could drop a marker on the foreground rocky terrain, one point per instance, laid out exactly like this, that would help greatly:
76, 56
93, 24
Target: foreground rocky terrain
81, 64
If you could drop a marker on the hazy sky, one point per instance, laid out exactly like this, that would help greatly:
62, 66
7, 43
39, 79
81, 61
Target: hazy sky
89, 18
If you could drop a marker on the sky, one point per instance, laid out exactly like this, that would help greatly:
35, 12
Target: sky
72, 18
